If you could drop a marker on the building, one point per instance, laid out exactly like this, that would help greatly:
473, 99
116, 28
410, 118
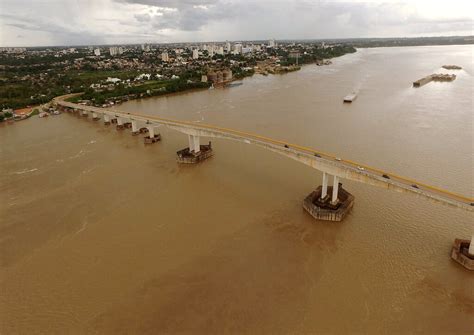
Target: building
165, 57
228, 46
220, 50
272, 43
97, 52
115, 51
237, 48
195, 53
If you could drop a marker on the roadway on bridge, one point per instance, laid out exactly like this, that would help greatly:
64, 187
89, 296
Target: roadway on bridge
426, 190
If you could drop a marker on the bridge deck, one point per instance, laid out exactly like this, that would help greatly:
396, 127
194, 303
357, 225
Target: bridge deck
322, 161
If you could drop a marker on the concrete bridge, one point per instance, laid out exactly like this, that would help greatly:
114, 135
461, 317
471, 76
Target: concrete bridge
331, 166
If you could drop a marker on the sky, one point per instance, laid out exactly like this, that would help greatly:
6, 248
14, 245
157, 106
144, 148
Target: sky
88, 22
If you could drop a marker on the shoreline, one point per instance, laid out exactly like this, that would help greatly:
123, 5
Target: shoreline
191, 90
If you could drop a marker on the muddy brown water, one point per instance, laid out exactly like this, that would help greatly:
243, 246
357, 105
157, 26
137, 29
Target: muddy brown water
100, 234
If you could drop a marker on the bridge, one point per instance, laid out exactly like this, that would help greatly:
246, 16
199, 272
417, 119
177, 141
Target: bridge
330, 165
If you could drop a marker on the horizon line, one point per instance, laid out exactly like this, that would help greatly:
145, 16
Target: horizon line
255, 40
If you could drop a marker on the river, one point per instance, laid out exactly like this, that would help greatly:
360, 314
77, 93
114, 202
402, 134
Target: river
100, 234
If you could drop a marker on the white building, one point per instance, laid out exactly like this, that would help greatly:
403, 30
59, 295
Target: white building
220, 50
237, 48
246, 50
195, 53
115, 51
164, 57
227, 46
272, 43
97, 52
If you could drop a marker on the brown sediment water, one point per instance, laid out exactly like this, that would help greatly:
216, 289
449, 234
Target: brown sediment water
100, 234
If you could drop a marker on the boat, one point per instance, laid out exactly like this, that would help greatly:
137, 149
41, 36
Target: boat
350, 97
234, 84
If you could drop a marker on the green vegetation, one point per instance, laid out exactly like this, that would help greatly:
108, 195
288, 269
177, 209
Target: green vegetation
5, 115
149, 88
313, 55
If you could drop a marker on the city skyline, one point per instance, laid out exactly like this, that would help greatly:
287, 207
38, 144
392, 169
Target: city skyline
111, 22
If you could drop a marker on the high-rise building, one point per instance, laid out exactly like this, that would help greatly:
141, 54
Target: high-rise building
97, 52
115, 51
195, 53
237, 48
227, 46
272, 43
164, 57
220, 50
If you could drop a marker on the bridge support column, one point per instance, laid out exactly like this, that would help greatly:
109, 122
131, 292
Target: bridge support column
84, 113
463, 252
152, 137
135, 130
194, 144
471, 246
324, 191
195, 153
120, 123
106, 119
335, 190
95, 116
322, 207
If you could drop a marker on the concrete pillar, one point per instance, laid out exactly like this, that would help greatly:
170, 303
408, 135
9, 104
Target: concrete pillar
84, 113
194, 143
94, 115
134, 127
335, 190
119, 121
324, 191
471, 246
106, 119
151, 131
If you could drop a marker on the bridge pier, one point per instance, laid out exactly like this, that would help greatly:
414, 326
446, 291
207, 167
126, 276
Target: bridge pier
321, 207
106, 119
335, 191
135, 130
463, 252
152, 137
195, 153
84, 113
95, 116
120, 125
324, 191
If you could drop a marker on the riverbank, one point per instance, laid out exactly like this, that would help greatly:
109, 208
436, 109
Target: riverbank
122, 94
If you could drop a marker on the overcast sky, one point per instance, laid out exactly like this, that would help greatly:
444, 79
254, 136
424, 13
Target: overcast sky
73, 22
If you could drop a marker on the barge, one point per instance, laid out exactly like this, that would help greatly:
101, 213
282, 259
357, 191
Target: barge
434, 77
350, 97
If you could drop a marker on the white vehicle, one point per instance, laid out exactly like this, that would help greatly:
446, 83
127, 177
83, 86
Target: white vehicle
360, 168
338, 159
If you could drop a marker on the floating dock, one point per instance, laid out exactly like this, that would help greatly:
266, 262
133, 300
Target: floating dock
350, 97
434, 77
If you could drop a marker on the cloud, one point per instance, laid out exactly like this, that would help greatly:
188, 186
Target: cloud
149, 21
187, 15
